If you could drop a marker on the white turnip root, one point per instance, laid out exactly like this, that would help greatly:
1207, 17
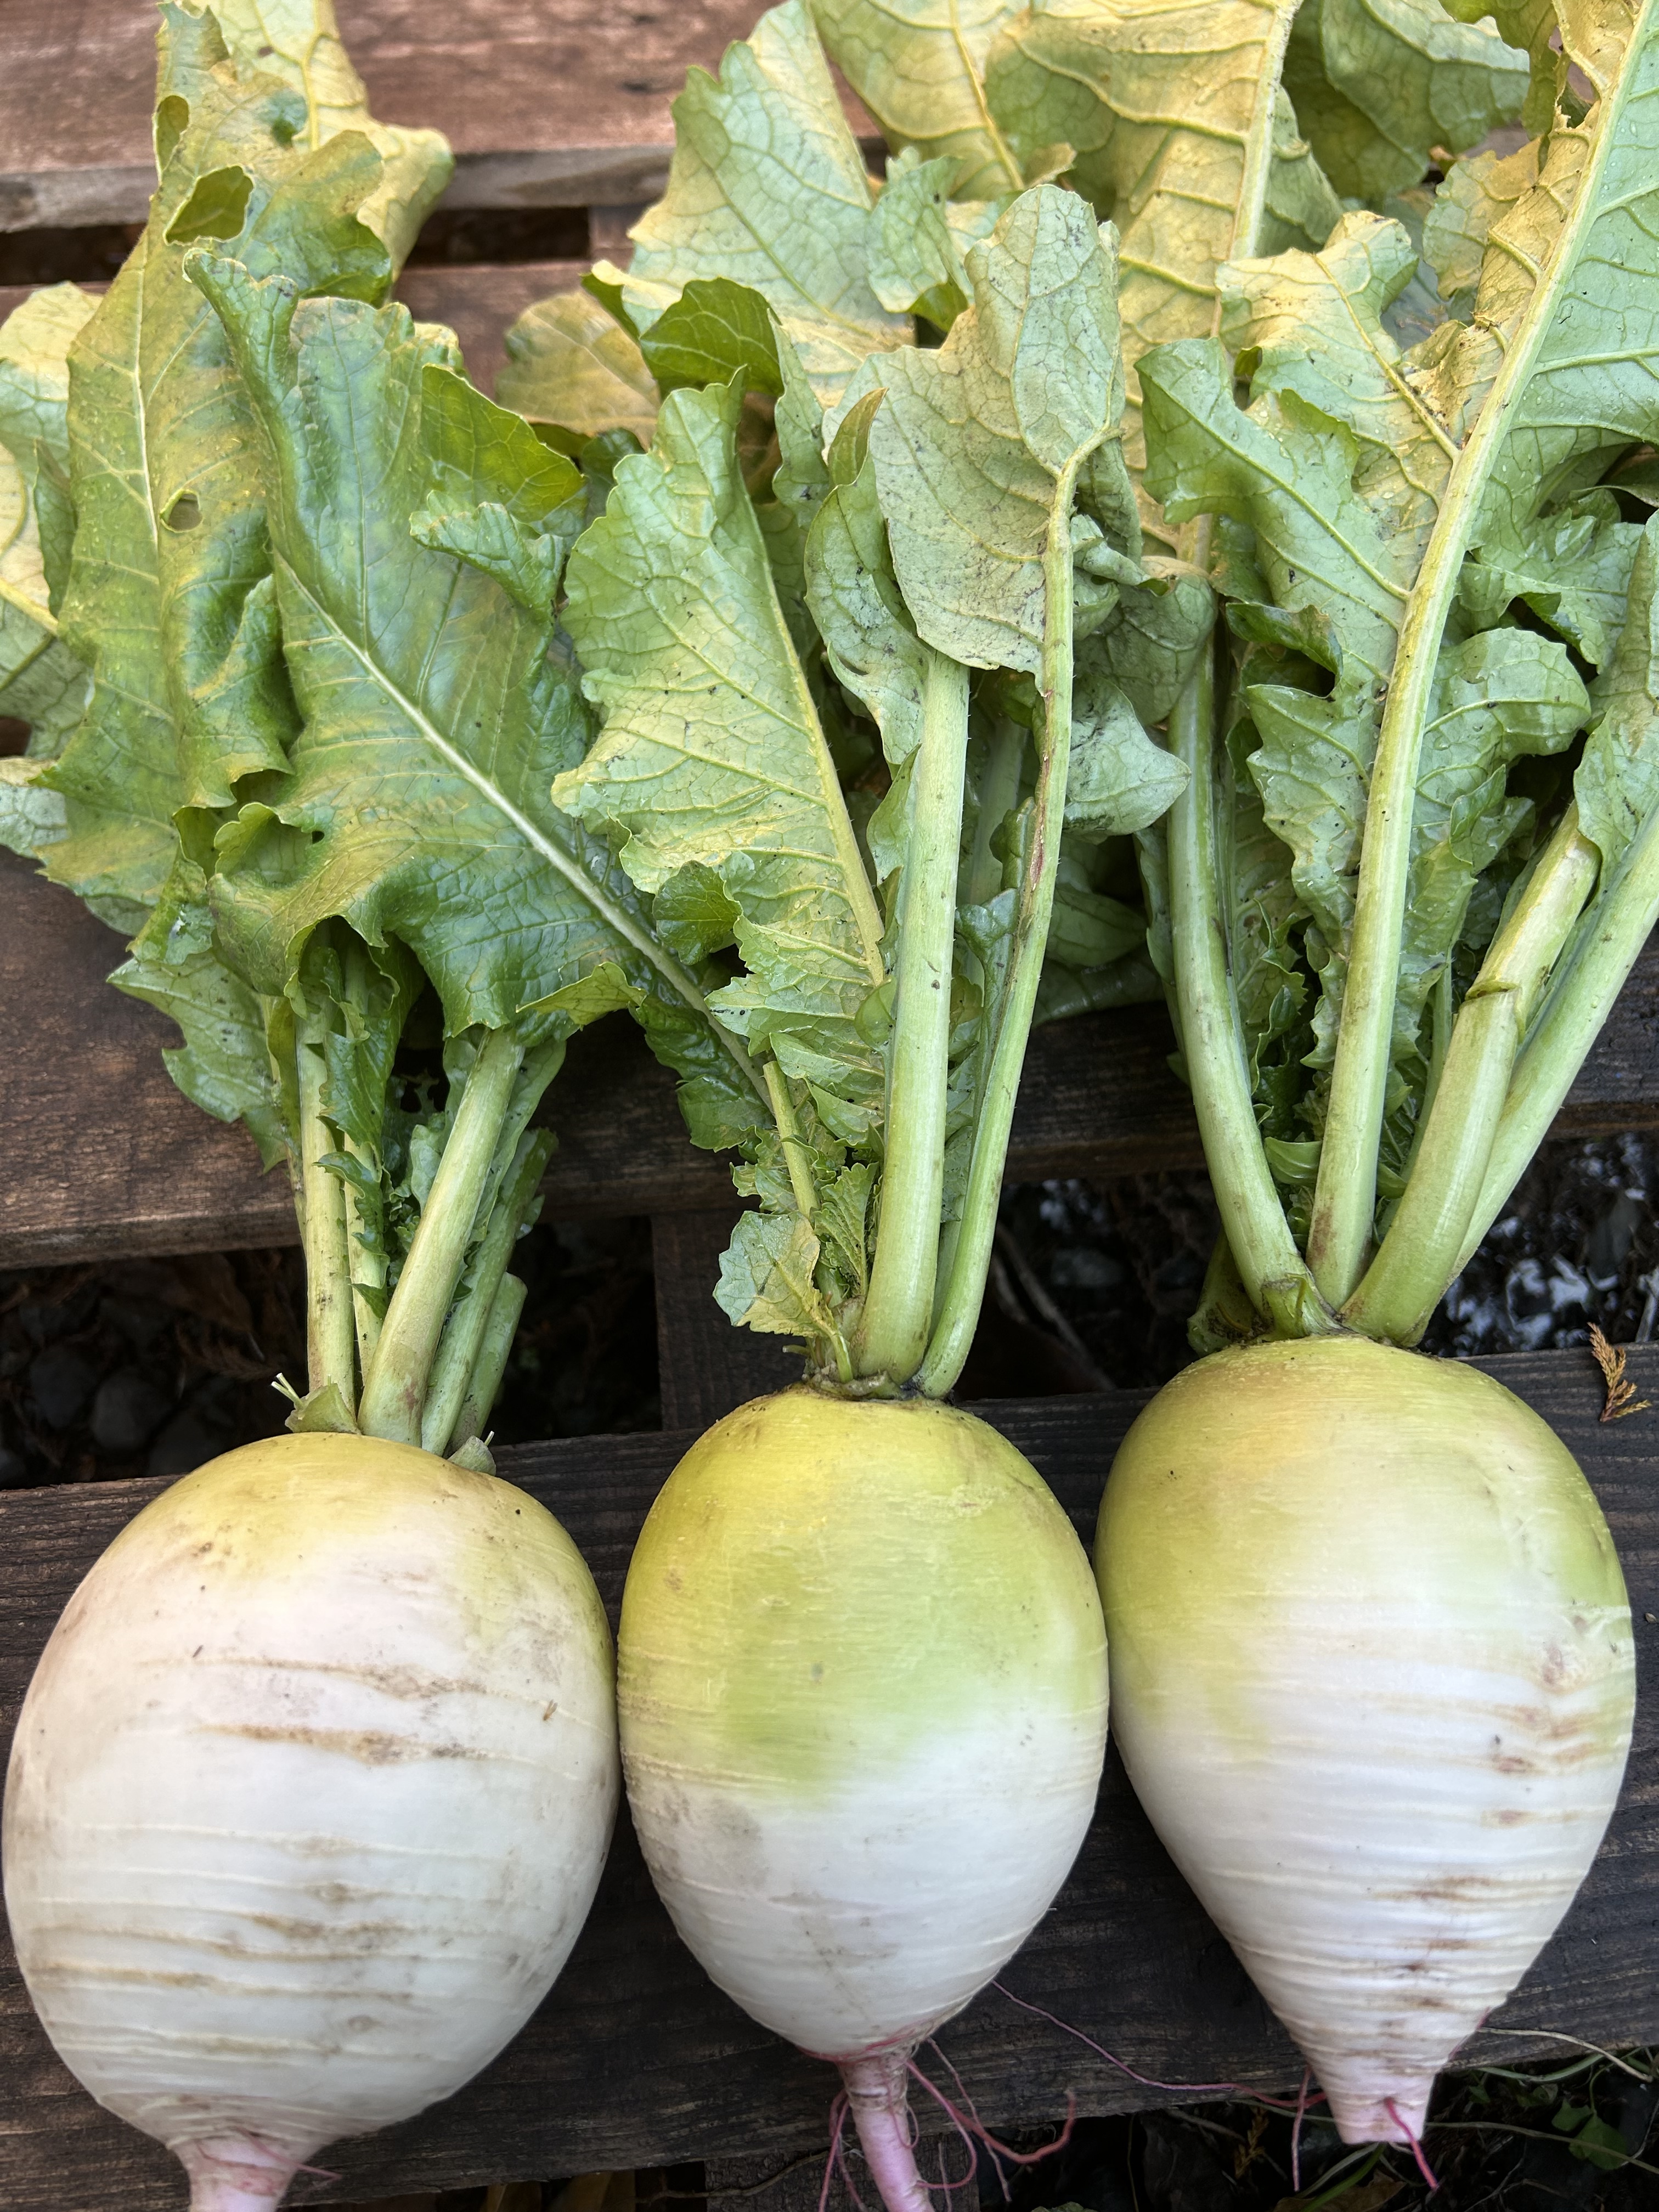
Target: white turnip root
862, 1688
308, 1800
1372, 1679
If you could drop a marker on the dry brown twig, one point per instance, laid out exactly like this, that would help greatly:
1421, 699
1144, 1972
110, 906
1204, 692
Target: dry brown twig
1610, 1358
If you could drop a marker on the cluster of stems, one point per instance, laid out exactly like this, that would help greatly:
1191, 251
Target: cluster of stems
926, 1283
1500, 1069
423, 1364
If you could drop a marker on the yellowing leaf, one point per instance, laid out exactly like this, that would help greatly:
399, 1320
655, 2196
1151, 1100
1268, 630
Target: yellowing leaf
1175, 110
767, 187
919, 67
572, 365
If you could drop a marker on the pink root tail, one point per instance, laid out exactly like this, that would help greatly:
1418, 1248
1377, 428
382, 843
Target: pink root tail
236, 2173
876, 2097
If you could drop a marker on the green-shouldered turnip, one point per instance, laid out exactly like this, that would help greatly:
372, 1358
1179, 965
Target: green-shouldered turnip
861, 1667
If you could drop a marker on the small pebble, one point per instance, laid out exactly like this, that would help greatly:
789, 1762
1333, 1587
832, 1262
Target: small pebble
127, 1411
61, 1380
187, 1442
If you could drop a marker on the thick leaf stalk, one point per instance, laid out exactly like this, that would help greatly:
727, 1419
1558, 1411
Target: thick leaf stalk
1273, 1272
1419, 1254
898, 1312
395, 1388
958, 1311
1344, 1196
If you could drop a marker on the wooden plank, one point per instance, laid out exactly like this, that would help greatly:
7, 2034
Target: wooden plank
103, 1157
704, 1366
636, 2060
477, 300
548, 103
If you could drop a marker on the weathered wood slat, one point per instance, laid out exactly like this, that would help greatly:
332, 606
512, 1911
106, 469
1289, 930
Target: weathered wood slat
705, 1367
548, 103
477, 300
636, 2060
102, 1156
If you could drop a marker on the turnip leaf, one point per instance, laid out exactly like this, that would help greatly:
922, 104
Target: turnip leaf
918, 236
971, 440
571, 365
170, 539
415, 531
1312, 323
1183, 136
919, 67
767, 187
1617, 785
1378, 83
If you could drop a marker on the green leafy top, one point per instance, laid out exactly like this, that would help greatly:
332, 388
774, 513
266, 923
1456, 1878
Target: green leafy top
315, 571
968, 493
767, 187
168, 599
1422, 568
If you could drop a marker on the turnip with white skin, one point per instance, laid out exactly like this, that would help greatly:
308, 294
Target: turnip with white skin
1373, 1672
1371, 1653
862, 1688
308, 1799
862, 1671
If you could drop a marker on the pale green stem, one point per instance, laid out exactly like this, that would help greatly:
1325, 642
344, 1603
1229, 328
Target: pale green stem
1344, 1197
958, 1314
1419, 1254
795, 1156
331, 1342
892, 1333
540, 1066
464, 1331
394, 1389
1153, 856
999, 795
490, 1364
1272, 1270
1580, 998
368, 1265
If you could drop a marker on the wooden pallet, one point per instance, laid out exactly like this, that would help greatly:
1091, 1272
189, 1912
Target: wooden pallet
547, 103
636, 2059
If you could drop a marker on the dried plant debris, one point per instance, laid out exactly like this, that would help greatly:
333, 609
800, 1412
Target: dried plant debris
1621, 1393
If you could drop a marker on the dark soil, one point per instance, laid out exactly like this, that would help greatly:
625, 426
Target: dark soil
152, 1366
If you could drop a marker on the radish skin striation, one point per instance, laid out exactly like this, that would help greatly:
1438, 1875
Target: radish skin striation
1373, 1680
309, 1798
862, 1692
